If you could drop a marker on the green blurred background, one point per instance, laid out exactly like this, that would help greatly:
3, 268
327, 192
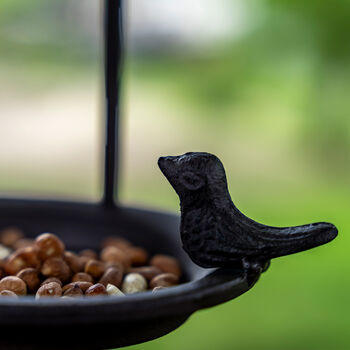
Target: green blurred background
264, 84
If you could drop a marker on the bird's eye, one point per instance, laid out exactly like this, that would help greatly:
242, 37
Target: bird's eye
192, 181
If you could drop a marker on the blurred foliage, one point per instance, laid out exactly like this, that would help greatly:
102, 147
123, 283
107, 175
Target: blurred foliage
297, 55
329, 22
44, 33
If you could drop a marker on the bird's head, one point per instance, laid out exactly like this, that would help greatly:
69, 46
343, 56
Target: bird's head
193, 172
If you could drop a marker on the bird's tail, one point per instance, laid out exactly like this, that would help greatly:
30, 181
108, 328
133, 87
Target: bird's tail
284, 241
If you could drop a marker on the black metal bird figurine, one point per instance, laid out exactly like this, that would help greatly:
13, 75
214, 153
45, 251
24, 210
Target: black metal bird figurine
215, 233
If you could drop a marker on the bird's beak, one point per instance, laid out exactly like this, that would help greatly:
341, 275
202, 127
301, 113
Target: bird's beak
167, 165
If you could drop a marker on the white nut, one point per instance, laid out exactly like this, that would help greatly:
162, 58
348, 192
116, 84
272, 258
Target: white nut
134, 283
113, 290
4, 252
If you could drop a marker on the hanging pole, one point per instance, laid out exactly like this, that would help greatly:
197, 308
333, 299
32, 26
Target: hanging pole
112, 62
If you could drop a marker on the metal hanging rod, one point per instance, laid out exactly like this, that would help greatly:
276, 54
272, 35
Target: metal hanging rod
112, 61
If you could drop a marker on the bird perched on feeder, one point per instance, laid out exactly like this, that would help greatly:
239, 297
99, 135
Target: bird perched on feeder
215, 233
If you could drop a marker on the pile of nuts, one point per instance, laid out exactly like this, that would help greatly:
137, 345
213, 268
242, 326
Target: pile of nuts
43, 268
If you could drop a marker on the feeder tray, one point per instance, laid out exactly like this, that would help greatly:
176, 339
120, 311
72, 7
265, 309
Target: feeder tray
106, 322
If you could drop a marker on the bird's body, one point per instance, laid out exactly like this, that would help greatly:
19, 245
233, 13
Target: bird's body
214, 232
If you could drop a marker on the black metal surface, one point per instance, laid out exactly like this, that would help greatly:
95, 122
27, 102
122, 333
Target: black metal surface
112, 57
215, 233
107, 322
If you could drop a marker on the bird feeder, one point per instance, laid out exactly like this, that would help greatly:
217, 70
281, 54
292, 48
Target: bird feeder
106, 322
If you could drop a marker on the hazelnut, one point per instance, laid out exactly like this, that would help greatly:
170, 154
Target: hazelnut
113, 290
95, 268
137, 255
117, 242
164, 280
45, 257
115, 255
113, 276
146, 271
96, 289
48, 246
73, 291
31, 277
115, 264
81, 284
84, 260
134, 283
56, 267
14, 284
89, 253
51, 279
166, 263
51, 289
73, 261
10, 235
20, 259
23, 243
82, 277
8, 293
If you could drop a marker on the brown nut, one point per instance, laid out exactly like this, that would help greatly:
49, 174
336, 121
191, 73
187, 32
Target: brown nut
118, 242
8, 293
73, 261
14, 284
112, 275
23, 243
157, 289
31, 277
96, 289
48, 246
73, 291
116, 255
137, 255
81, 284
51, 279
89, 253
10, 235
166, 263
56, 267
82, 277
116, 265
164, 280
84, 260
2, 273
20, 259
95, 268
51, 289
148, 272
